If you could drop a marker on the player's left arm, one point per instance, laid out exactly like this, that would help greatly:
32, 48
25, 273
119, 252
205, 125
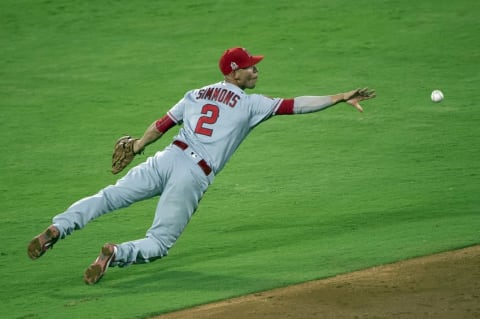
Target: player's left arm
309, 104
154, 132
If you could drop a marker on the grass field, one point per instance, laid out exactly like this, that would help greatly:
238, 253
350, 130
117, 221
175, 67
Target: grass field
305, 197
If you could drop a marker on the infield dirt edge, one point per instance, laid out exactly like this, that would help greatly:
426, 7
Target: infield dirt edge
444, 285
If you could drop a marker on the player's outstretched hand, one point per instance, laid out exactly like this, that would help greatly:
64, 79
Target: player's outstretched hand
354, 97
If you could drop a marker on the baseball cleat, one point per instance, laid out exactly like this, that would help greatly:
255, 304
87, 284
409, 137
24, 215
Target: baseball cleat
41, 243
99, 267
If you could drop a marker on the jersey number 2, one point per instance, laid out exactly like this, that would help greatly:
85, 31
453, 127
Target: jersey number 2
211, 113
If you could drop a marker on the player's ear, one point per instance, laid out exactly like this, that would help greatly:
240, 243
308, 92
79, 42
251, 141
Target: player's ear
231, 76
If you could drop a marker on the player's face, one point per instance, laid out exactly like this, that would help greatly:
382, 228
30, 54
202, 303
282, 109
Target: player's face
246, 78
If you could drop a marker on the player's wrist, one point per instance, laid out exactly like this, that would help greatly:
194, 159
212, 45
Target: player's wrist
337, 98
138, 146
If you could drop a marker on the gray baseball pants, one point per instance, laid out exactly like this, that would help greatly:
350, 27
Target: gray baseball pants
171, 174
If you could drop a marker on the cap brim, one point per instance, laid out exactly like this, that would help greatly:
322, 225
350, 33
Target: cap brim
255, 59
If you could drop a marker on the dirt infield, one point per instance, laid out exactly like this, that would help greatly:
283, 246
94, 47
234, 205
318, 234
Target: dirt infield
442, 286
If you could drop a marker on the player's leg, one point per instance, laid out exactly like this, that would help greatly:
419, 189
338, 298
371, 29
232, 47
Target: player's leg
141, 182
185, 185
175, 208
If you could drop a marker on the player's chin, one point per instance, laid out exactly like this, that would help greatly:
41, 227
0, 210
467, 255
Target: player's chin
252, 84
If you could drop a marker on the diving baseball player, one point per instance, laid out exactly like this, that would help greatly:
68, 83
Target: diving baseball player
216, 119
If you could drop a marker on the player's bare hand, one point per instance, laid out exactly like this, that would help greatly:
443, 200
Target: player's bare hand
356, 96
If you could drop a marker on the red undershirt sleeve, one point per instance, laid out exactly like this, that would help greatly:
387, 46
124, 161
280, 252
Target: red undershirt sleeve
285, 108
164, 124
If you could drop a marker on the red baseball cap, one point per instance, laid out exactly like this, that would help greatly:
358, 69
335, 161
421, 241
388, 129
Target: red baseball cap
237, 58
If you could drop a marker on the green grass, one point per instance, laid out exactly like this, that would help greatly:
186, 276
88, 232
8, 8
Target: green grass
305, 197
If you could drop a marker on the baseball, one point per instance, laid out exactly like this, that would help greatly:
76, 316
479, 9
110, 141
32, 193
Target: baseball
437, 96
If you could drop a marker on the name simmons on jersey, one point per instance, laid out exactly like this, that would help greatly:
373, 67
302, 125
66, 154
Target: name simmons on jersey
220, 95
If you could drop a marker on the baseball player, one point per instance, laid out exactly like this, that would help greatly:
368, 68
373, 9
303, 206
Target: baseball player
216, 119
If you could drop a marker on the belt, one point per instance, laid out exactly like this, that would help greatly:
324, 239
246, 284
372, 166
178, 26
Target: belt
203, 165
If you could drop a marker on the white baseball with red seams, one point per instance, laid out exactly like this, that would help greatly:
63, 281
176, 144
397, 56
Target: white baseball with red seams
437, 96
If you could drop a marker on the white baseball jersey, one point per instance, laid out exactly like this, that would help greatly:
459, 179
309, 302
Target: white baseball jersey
218, 117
